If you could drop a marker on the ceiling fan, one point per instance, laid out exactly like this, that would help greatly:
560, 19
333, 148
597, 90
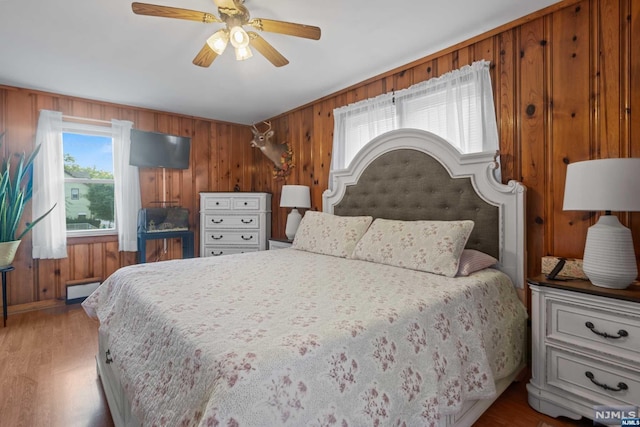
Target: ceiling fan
234, 15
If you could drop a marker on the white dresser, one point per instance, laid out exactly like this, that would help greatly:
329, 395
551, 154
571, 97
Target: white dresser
232, 223
586, 347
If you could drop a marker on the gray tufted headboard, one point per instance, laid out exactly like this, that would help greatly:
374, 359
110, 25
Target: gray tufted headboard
410, 174
410, 185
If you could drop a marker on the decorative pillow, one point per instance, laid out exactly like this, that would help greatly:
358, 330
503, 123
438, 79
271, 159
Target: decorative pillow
432, 246
472, 261
329, 234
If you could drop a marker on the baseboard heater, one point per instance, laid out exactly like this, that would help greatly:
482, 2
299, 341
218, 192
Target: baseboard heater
79, 290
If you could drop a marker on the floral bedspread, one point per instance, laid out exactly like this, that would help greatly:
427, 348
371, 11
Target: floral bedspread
289, 337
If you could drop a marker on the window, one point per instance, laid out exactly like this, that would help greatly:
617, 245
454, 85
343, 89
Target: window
49, 236
458, 106
88, 181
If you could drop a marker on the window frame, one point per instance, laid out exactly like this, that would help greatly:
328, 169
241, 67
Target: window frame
90, 130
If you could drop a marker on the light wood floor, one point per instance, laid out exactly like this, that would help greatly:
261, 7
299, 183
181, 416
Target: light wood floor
48, 377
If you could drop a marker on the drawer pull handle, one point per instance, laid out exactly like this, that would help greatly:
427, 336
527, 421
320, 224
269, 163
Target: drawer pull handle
213, 253
215, 221
621, 333
621, 386
217, 238
217, 203
247, 238
107, 357
245, 203
245, 221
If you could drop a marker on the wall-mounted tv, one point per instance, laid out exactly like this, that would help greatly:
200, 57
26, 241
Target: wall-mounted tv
159, 150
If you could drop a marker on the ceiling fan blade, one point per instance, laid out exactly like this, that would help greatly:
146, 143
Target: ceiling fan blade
173, 12
205, 57
267, 50
289, 28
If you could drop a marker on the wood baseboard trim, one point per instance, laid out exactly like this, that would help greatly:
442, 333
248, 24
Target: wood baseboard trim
33, 306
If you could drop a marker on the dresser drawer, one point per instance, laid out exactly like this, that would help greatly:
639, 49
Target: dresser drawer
218, 251
224, 237
215, 221
246, 203
217, 203
571, 372
612, 333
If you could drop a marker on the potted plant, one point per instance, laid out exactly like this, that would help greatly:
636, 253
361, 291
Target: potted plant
15, 191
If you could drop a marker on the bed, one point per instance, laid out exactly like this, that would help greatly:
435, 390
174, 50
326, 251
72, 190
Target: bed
346, 327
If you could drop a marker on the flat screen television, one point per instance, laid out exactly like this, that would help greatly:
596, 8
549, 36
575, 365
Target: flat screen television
159, 150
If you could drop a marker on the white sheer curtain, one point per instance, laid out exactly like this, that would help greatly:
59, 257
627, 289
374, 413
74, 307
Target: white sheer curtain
359, 123
127, 187
49, 236
457, 106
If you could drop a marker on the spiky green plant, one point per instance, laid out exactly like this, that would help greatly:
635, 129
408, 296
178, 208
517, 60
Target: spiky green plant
15, 191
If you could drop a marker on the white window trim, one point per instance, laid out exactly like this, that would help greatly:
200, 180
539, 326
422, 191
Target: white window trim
93, 130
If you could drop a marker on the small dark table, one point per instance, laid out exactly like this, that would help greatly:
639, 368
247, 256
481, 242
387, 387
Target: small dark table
185, 235
4, 271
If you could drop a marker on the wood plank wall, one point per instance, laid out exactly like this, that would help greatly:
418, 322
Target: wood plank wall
565, 79
221, 159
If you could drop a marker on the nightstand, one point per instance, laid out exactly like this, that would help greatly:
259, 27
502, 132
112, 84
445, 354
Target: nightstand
279, 243
585, 347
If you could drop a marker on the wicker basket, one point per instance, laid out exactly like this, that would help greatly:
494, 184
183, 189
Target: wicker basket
8, 252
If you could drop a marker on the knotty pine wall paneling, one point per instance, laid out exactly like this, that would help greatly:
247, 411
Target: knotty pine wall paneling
631, 76
220, 159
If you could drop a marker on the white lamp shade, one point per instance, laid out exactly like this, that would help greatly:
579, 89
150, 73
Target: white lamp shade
603, 185
295, 196
606, 185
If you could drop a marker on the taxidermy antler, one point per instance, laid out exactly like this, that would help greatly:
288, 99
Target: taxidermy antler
279, 153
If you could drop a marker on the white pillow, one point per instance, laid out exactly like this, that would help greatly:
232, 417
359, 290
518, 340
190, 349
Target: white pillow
432, 246
472, 261
329, 234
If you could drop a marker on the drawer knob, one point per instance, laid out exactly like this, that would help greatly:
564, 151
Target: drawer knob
246, 221
107, 357
621, 333
621, 386
247, 238
217, 221
245, 203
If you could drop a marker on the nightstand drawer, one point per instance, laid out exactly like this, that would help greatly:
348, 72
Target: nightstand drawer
590, 327
581, 375
232, 237
214, 221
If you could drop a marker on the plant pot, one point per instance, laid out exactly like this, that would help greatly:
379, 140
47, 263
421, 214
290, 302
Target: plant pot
8, 252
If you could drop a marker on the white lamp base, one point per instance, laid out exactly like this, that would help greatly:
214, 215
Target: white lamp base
293, 221
609, 259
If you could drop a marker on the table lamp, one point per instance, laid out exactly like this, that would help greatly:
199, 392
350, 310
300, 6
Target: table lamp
606, 185
294, 196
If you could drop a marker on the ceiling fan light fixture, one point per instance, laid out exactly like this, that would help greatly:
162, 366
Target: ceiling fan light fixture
218, 41
243, 53
239, 37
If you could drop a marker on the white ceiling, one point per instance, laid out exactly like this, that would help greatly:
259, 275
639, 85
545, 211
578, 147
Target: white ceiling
99, 49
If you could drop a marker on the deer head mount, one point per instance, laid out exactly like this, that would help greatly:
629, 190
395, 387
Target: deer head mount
279, 153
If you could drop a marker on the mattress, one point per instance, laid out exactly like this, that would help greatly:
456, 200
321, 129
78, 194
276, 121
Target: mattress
290, 337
